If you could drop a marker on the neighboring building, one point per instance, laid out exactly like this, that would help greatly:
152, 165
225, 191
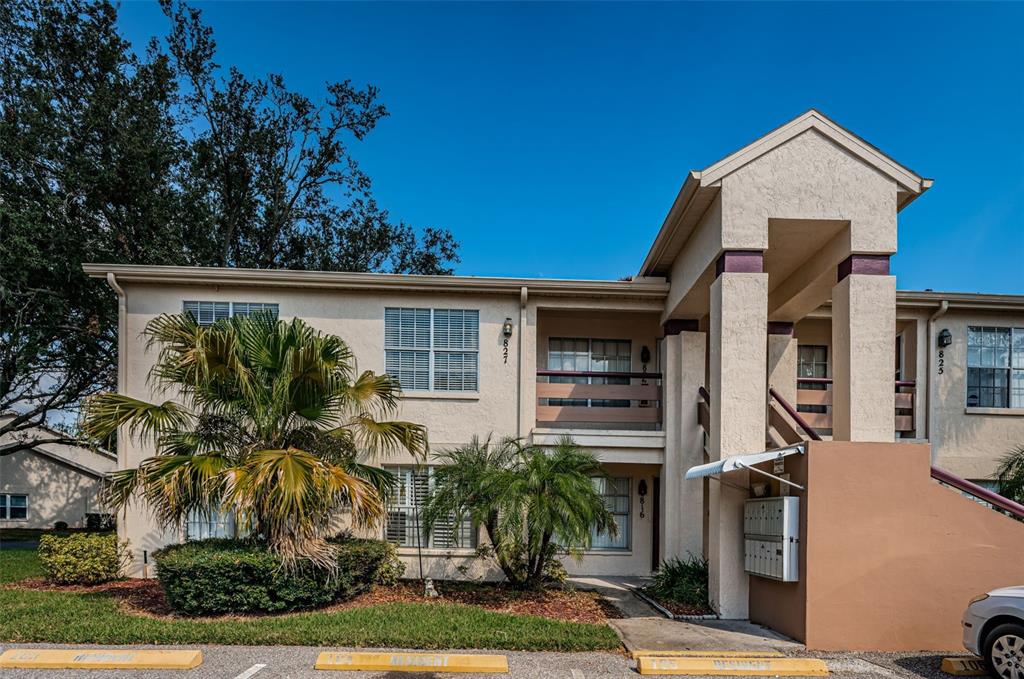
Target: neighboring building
51, 483
770, 270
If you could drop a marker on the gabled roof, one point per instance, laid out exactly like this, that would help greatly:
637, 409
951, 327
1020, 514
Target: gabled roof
700, 186
907, 179
95, 462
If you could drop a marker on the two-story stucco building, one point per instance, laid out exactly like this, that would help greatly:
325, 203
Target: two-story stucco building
766, 292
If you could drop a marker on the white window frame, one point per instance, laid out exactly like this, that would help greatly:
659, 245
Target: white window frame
432, 350
405, 474
589, 403
214, 524
625, 527
6, 506
1014, 367
232, 310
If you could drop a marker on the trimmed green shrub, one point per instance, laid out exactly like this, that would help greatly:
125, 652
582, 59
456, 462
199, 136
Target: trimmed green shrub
685, 582
213, 577
81, 558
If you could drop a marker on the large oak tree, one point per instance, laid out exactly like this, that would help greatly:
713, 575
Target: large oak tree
160, 156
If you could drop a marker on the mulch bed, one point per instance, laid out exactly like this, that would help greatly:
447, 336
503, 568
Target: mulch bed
144, 597
677, 608
558, 604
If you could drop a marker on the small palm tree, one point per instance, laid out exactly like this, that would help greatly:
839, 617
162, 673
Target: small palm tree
1011, 475
269, 423
531, 502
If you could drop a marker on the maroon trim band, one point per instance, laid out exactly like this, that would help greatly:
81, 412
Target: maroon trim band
871, 265
780, 328
674, 326
740, 261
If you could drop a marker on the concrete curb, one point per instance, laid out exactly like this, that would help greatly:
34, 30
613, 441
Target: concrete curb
664, 611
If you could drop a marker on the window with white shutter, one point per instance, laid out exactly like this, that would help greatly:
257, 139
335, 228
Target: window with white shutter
432, 349
208, 313
405, 505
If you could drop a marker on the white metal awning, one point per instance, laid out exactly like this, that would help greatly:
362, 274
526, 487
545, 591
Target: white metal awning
737, 462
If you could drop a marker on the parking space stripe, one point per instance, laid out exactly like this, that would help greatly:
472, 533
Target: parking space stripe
251, 671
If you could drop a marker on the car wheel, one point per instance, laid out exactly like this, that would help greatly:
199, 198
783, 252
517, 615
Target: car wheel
1004, 651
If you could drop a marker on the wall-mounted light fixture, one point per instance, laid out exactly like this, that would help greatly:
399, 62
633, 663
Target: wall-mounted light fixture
945, 338
506, 328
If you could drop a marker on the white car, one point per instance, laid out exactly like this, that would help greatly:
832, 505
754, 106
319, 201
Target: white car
994, 629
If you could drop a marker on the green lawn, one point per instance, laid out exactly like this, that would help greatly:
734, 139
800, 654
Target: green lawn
59, 617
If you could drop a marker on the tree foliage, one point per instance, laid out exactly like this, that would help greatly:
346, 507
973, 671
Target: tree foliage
1010, 475
268, 422
533, 503
160, 156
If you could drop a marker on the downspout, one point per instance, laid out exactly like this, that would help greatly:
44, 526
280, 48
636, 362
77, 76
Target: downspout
122, 322
939, 313
523, 296
122, 380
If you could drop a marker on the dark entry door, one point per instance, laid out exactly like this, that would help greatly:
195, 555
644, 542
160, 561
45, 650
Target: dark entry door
656, 524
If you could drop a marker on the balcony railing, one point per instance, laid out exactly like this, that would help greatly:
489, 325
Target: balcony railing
821, 401
633, 403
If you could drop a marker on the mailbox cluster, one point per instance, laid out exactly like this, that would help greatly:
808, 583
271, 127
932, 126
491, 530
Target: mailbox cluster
771, 531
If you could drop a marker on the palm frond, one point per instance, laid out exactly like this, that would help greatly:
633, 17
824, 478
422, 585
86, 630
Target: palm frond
104, 413
376, 438
1010, 475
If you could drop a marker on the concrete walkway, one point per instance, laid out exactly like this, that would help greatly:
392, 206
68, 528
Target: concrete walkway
643, 628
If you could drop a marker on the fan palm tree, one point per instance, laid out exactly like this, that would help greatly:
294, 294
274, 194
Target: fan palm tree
1010, 475
269, 422
532, 502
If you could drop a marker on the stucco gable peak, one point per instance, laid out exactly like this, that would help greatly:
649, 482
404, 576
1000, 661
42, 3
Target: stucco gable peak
910, 183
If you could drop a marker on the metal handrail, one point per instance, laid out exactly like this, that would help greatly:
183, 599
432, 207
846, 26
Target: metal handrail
979, 492
791, 411
593, 373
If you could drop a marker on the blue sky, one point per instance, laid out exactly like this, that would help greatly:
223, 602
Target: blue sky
552, 138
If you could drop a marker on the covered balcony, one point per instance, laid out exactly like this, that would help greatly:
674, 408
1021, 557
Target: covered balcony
598, 380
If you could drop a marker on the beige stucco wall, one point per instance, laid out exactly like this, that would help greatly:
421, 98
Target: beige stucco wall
56, 492
452, 418
809, 177
968, 441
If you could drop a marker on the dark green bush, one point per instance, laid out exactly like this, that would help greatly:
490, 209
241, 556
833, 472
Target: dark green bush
81, 558
682, 581
212, 577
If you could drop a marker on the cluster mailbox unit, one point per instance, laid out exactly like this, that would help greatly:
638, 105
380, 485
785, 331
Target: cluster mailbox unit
771, 531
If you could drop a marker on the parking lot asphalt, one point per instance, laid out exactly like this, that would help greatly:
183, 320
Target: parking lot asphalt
294, 662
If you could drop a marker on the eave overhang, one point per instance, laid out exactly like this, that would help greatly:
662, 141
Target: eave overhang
642, 288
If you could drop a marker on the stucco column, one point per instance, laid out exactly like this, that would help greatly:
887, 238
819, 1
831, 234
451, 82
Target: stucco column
682, 520
738, 353
863, 350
